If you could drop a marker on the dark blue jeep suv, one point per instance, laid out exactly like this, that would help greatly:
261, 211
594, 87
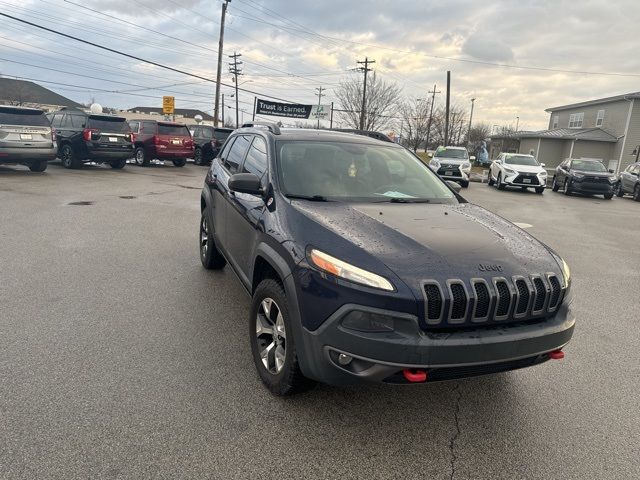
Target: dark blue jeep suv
363, 265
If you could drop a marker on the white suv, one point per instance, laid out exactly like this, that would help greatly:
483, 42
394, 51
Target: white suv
517, 170
452, 163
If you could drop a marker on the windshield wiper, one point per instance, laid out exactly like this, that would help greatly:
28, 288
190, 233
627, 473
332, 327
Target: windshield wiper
313, 198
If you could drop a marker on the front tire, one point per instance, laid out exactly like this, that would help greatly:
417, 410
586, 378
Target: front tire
636, 193
619, 191
554, 185
118, 164
40, 166
608, 196
198, 158
499, 182
68, 157
567, 187
465, 183
180, 162
540, 190
490, 181
272, 341
141, 157
210, 256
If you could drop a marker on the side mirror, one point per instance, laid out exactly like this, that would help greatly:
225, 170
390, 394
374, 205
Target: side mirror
611, 170
543, 165
456, 187
245, 183
472, 158
430, 155
498, 161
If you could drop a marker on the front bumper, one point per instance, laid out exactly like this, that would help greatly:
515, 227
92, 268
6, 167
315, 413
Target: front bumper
592, 187
382, 357
520, 180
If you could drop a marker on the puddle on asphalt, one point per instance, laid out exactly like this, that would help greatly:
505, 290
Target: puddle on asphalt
127, 197
83, 202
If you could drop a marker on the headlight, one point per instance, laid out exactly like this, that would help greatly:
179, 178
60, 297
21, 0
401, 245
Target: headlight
508, 171
434, 163
613, 179
578, 175
465, 166
348, 272
566, 272
543, 174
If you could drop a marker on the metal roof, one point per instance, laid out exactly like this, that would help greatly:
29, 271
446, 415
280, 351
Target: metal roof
185, 112
22, 91
590, 134
615, 98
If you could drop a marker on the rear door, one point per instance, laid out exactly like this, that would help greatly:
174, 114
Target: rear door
21, 128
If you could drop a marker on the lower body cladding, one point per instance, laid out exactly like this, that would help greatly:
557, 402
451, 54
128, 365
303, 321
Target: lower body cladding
171, 154
27, 155
359, 343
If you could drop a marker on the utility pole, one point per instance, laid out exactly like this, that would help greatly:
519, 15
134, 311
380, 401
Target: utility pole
366, 70
446, 114
223, 109
219, 73
517, 123
319, 95
470, 120
235, 68
433, 100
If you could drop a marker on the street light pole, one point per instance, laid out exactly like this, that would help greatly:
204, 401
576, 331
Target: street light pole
517, 123
470, 120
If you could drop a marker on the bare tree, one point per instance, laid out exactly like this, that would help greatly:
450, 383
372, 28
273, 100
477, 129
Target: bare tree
229, 122
479, 132
382, 101
414, 122
458, 126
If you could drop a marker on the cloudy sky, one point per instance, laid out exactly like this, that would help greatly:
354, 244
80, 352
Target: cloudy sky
515, 57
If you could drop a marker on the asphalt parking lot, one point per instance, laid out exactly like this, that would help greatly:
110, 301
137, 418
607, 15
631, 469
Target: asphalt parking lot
120, 357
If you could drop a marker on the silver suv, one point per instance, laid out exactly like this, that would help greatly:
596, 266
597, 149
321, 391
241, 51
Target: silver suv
452, 163
26, 138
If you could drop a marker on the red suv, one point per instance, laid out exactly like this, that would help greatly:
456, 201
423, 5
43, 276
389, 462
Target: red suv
162, 141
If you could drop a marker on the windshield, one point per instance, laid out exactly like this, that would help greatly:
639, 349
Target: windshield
221, 135
452, 153
109, 124
166, 129
587, 166
358, 172
520, 160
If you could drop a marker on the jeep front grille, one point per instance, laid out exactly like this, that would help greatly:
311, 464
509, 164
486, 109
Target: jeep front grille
455, 302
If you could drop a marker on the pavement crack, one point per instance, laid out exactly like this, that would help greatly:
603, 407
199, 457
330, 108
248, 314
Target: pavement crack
452, 442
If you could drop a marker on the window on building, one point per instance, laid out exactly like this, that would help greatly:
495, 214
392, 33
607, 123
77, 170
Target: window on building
600, 118
576, 119
554, 122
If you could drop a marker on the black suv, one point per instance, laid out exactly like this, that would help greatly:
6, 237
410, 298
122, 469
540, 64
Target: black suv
87, 137
584, 176
208, 141
364, 265
26, 138
629, 182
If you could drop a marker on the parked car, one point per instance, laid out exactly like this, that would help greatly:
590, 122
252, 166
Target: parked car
26, 138
629, 182
584, 176
207, 142
161, 140
364, 265
87, 137
452, 163
517, 170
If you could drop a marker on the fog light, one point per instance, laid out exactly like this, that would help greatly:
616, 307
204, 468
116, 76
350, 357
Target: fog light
344, 359
368, 322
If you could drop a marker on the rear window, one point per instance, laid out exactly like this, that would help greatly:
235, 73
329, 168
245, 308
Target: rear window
109, 124
26, 118
164, 129
221, 135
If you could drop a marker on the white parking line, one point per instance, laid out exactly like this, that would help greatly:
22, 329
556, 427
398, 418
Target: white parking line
523, 225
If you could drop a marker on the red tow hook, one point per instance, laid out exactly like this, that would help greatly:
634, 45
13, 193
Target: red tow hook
415, 376
556, 355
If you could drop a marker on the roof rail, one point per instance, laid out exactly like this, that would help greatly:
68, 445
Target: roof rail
271, 126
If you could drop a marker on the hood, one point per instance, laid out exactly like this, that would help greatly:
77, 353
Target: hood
526, 168
422, 241
456, 161
592, 174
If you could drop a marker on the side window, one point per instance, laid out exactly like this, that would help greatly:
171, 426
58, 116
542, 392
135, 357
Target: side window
77, 121
206, 133
225, 151
256, 161
134, 126
66, 122
57, 120
148, 127
195, 132
236, 153
635, 170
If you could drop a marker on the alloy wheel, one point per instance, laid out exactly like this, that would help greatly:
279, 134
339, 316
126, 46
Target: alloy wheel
204, 237
140, 157
66, 156
271, 336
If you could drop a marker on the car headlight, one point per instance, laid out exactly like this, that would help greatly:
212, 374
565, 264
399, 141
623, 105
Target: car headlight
566, 272
613, 179
543, 174
508, 171
434, 163
465, 166
348, 272
578, 175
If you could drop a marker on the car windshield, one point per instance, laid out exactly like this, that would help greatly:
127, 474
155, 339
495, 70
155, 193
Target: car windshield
588, 166
177, 130
357, 172
24, 118
452, 153
521, 160
109, 124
